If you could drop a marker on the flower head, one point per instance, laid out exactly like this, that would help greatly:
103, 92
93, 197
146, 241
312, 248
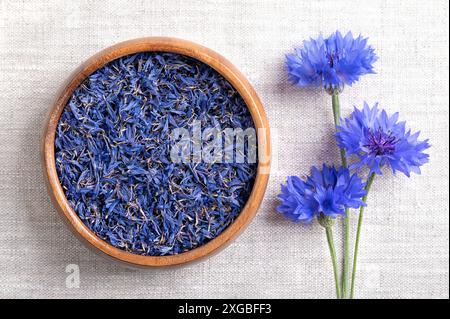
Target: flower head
331, 62
378, 140
328, 191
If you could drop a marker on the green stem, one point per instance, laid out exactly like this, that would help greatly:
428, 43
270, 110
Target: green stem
345, 272
337, 121
358, 232
330, 240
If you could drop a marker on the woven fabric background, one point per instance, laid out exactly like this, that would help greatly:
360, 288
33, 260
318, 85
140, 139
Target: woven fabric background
405, 244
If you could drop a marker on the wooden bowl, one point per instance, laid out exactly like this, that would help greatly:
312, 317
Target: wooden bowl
160, 44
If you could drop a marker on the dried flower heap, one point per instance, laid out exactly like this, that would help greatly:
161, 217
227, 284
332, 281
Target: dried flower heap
112, 154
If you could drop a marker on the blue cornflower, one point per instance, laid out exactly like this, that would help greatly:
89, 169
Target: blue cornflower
378, 140
328, 191
331, 62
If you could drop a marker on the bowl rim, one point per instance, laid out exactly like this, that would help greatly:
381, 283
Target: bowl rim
158, 44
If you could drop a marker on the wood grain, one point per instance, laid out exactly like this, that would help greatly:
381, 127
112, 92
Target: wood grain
161, 44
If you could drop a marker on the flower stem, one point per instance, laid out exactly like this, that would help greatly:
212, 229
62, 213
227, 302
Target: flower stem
358, 232
330, 240
337, 121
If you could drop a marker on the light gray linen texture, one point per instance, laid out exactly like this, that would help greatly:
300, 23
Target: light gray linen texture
405, 240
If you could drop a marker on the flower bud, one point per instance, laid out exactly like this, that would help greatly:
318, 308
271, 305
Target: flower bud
334, 90
325, 221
